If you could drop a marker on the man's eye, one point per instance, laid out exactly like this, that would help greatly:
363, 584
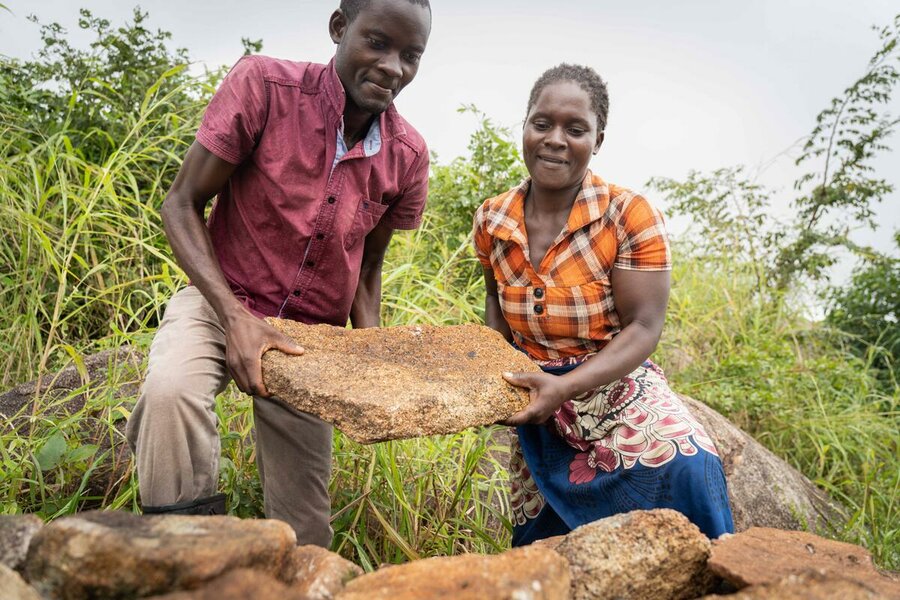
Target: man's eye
376, 44
412, 58
540, 125
576, 131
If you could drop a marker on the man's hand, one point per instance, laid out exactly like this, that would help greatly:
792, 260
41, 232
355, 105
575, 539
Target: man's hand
247, 338
548, 393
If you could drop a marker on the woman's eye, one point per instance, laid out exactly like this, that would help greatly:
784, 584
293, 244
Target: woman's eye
412, 58
376, 44
540, 125
575, 131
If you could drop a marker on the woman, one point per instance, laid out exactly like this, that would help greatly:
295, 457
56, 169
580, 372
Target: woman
577, 275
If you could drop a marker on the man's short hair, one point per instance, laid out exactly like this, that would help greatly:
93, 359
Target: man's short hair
586, 78
351, 8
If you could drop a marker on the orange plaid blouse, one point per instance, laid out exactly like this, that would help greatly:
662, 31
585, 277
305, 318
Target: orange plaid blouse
568, 309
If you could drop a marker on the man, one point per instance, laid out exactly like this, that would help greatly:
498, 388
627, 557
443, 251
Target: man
314, 169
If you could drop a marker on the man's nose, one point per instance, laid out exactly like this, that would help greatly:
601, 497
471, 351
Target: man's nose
390, 65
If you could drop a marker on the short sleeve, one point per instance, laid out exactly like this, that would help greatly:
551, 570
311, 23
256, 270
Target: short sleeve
236, 115
481, 239
643, 244
406, 212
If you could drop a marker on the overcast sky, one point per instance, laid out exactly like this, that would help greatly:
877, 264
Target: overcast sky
693, 85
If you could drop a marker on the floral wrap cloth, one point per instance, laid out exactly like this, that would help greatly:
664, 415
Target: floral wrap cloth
629, 445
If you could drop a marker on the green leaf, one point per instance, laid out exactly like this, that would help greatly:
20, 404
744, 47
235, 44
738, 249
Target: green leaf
83, 453
51, 452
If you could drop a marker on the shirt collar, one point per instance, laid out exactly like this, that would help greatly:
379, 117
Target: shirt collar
507, 220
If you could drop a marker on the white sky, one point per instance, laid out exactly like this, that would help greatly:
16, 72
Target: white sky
698, 84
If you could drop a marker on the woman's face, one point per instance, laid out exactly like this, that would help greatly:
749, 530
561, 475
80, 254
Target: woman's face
560, 136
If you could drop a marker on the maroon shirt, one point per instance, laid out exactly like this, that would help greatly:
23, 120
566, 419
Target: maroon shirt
287, 230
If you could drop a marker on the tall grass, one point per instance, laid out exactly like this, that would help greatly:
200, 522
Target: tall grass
84, 266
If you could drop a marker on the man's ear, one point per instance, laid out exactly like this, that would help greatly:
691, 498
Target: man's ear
600, 136
337, 26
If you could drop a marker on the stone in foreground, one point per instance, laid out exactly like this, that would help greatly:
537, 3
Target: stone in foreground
121, 555
398, 382
807, 586
762, 555
240, 584
518, 574
318, 573
13, 587
641, 555
16, 532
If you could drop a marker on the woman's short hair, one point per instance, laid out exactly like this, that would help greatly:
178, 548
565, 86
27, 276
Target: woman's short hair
586, 78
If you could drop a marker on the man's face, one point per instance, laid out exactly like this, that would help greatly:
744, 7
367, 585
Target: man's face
378, 52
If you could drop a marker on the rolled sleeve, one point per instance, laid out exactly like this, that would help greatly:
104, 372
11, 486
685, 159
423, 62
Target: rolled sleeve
406, 211
643, 244
481, 239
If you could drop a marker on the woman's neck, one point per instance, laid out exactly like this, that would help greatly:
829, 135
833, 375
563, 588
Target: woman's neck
543, 202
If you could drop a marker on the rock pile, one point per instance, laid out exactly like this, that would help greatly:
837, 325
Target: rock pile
643, 555
398, 382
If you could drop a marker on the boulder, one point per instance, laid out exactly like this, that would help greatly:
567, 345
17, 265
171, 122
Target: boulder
763, 555
93, 384
521, 573
14, 587
398, 382
641, 555
807, 586
122, 555
763, 489
16, 532
318, 573
240, 584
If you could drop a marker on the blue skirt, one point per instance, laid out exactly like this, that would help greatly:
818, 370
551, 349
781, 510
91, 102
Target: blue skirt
629, 445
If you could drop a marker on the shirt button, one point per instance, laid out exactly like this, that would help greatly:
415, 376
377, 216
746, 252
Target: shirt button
296, 292
538, 292
331, 199
320, 236
538, 309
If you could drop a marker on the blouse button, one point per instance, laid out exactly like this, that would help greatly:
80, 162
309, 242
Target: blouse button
538, 309
538, 292
332, 200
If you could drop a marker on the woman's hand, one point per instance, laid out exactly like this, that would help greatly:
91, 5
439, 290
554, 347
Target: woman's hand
548, 393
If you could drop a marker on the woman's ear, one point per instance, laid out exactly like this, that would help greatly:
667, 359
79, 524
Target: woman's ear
337, 26
600, 137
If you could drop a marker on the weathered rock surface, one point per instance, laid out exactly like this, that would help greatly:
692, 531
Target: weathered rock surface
122, 555
807, 586
109, 374
521, 573
764, 490
318, 573
398, 382
763, 555
240, 584
13, 587
641, 555
16, 532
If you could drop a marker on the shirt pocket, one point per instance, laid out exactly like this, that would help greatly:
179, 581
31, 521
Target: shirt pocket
578, 311
367, 216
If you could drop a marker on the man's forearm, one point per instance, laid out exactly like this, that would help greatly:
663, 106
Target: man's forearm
366, 308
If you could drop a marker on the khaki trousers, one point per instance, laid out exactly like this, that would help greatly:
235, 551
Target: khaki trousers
173, 429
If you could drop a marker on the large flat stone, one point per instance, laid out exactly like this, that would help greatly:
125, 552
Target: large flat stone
13, 587
398, 382
16, 532
810, 585
318, 573
240, 584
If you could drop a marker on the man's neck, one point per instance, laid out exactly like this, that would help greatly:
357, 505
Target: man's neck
356, 123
